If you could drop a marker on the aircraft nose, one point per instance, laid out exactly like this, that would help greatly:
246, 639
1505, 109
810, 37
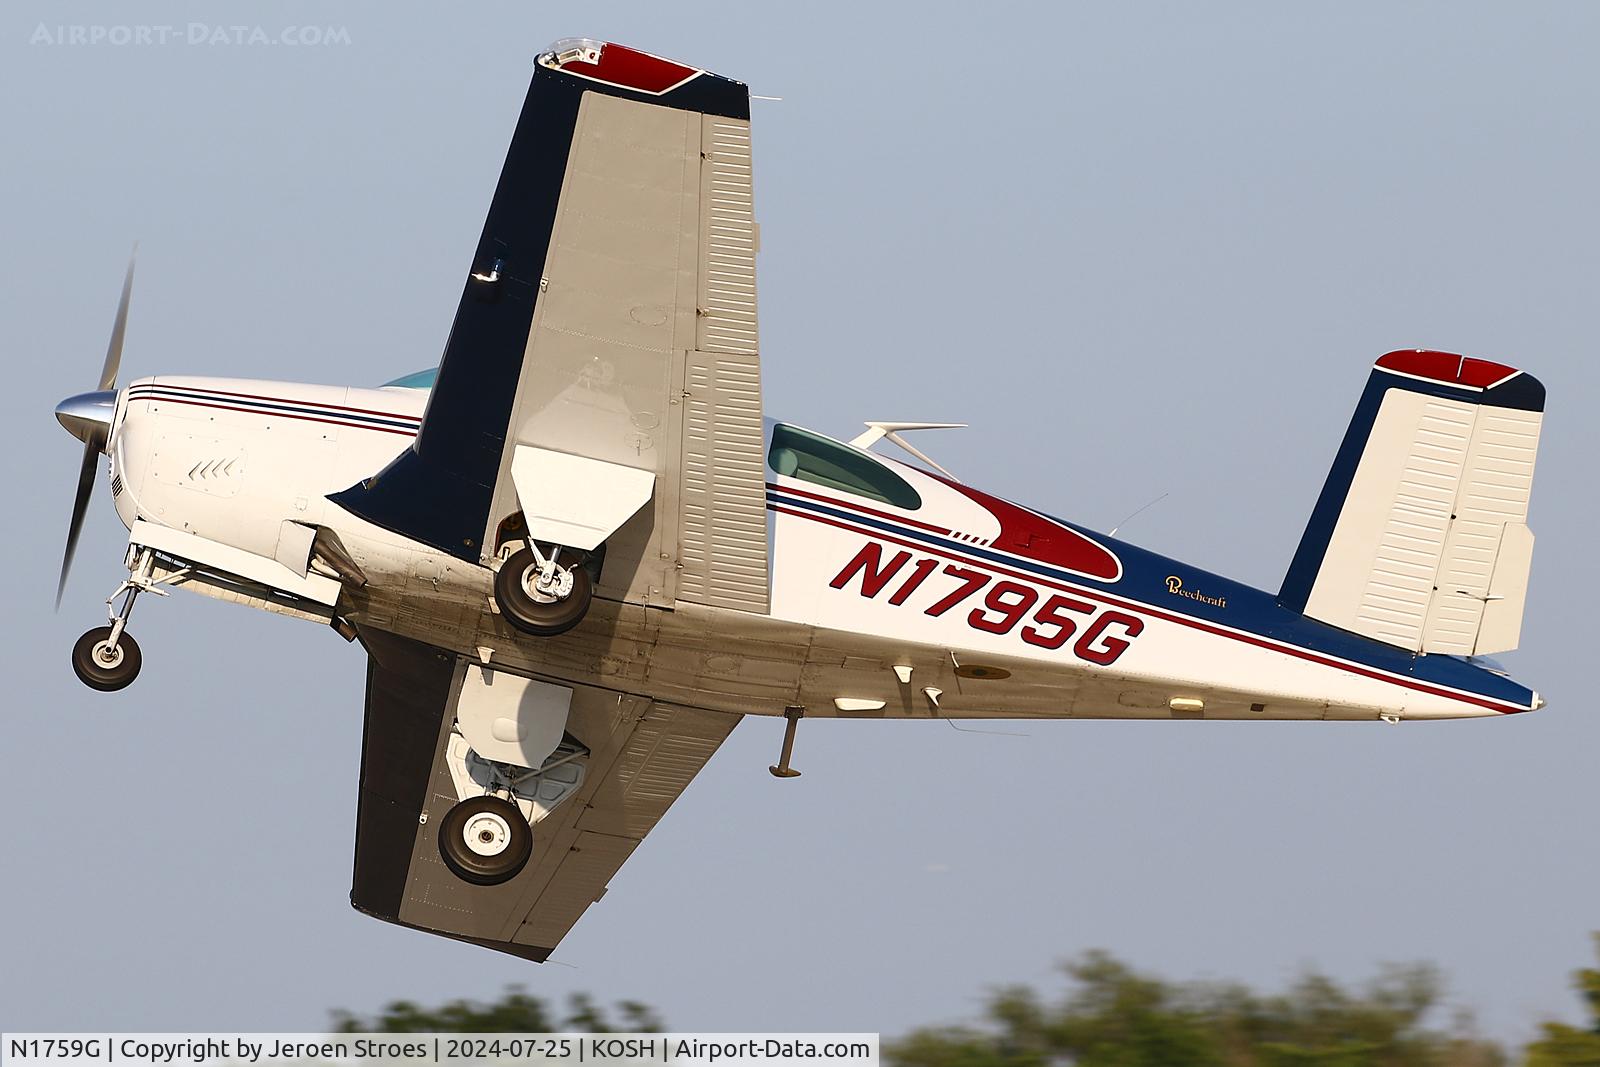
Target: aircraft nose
88, 415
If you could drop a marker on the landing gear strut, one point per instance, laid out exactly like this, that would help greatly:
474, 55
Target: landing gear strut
538, 595
107, 658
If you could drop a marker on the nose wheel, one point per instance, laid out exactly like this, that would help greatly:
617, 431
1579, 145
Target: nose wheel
106, 661
107, 658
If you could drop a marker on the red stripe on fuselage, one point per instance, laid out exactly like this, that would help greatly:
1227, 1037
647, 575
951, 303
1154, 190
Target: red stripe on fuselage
196, 390
1041, 539
874, 512
274, 414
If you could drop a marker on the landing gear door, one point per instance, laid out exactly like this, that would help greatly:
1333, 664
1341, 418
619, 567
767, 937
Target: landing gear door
510, 719
575, 500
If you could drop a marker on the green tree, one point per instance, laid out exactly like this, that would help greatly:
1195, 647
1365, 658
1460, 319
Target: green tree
514, 1013
1573, 1046
1113, 1016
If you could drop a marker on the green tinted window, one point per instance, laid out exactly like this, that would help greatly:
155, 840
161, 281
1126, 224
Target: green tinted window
800, 454
423, 379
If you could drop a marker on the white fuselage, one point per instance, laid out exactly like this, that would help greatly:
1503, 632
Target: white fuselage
232, 461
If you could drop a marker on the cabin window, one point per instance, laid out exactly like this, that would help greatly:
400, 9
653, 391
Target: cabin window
423, 379
810, 457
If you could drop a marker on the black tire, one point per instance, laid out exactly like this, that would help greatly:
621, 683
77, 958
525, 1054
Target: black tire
536, 617
506, 840
94, 672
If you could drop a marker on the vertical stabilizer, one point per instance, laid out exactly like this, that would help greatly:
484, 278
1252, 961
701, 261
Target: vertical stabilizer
1420, 536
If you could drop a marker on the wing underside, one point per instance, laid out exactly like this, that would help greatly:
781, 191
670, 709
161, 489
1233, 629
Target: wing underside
608, 325
641, 756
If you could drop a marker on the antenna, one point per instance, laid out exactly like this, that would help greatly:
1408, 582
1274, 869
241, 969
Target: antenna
877, 431
1136, 514
976, 730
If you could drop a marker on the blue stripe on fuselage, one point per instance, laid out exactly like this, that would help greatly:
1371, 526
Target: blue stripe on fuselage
158, 392
1254, 611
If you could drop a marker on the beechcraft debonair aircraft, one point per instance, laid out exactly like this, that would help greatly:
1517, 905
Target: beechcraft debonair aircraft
577, 553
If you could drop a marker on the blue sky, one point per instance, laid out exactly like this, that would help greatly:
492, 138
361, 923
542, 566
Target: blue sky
1141, 248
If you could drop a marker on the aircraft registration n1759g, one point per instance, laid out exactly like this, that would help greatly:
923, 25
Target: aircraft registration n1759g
577, 553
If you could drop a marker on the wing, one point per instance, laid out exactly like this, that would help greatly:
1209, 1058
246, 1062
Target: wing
641, 756
606, 338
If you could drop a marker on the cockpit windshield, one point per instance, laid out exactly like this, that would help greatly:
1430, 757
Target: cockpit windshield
797, 453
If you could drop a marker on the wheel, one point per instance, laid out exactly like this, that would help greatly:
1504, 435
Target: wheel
99, 666
539, 613
485, 840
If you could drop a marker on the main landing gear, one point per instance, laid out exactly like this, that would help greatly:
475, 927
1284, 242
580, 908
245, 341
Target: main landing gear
485, 840
539, 596
107, 658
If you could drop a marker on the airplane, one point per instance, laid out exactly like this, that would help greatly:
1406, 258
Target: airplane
577, 553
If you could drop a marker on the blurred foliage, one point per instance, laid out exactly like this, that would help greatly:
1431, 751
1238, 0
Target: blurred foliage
514, 1013
1112, 1016
1573, 1046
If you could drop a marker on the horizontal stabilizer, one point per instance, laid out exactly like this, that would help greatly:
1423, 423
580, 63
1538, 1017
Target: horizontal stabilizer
1420, 537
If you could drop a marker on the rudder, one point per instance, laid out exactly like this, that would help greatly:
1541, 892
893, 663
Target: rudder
1420, 536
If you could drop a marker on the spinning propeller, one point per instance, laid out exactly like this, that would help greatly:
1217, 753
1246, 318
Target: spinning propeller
87, 417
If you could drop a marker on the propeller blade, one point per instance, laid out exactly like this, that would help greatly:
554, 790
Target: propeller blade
94, 436
91, 459
108, 373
